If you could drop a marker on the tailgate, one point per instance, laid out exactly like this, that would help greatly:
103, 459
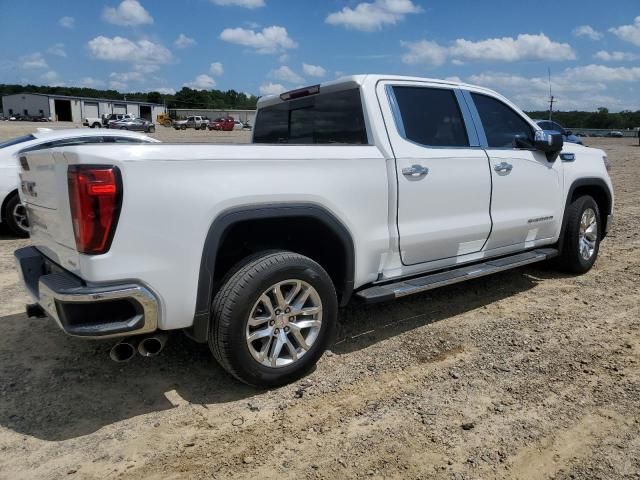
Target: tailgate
44, 191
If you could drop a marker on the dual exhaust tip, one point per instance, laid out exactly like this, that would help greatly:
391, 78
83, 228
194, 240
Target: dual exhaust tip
148, 346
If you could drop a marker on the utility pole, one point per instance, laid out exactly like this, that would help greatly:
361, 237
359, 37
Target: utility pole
551, 97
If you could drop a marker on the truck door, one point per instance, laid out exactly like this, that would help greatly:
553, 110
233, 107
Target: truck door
444, 182
526, 204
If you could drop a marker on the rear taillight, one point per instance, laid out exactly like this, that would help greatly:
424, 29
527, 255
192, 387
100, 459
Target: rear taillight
95, 196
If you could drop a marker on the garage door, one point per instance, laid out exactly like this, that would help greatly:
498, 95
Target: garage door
119, 108
91, 109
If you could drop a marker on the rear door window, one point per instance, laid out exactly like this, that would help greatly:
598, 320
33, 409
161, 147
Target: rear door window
431, 116
327, 118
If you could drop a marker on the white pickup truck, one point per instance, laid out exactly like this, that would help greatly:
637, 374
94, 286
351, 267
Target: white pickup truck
105, 120
368, 188
195, 122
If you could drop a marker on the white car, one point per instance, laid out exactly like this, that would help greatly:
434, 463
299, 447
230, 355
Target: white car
369, 187
12, 212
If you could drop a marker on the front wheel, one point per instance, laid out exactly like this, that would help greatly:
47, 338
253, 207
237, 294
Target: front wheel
273, 318
582, 236
15, 215
151, 129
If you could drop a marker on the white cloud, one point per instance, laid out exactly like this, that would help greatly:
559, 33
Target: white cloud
184, 42
57, 49
201, 82
616, 56
505, 49
216, 69
91, 82
271, 39
313, 70
508, 49
603, 73
628, 33
129, 13
272, 89
251, 4
33, 61
453, 78
585, 88
117, 85
120, 49
67, 22
424, 52
126, 77
587, 31
164, 90
52, 78
285, 74
369, 17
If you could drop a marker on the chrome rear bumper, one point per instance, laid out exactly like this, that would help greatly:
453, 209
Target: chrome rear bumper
98, 311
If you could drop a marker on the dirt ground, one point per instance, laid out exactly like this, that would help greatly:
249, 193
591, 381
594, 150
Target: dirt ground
528, 374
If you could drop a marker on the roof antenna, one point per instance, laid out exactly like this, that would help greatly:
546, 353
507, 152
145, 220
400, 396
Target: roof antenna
551, 97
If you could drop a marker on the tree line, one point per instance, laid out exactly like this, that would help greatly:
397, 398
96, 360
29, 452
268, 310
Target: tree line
185, 98
231, 99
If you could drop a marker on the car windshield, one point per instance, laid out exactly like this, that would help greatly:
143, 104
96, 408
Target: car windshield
16, 141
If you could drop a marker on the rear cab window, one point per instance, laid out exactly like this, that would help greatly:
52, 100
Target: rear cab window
325, 118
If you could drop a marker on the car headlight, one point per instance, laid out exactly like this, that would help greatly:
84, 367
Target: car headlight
607, 165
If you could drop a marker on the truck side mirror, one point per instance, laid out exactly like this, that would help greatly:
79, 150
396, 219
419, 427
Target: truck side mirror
549, 142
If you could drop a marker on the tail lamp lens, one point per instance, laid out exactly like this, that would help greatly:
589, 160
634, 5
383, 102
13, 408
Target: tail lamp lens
95, 197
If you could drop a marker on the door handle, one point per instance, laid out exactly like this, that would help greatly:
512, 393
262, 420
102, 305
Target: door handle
415, 171
503, 167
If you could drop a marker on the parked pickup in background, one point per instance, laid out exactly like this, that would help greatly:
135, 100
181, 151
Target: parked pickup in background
364, 189
105, 120
196, 122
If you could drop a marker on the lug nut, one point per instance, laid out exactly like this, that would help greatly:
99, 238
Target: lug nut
287, 310
272, 323
286, 329
276, 331
278, 312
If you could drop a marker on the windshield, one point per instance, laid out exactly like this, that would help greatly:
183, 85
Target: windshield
16, 141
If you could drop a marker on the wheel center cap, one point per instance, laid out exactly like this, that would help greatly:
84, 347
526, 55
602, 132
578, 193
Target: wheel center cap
282, 321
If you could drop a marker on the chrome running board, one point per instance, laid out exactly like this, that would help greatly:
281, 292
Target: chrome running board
402, 288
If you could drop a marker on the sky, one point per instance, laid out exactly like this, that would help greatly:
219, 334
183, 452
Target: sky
268, 46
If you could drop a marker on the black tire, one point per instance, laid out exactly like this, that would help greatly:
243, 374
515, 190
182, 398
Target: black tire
183, 127
96, 125
9, 218
571, 260
151, 130
233, 305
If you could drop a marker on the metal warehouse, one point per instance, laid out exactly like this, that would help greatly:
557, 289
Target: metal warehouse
64, 108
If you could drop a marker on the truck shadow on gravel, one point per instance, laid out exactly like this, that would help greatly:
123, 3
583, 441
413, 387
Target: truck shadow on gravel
55, 387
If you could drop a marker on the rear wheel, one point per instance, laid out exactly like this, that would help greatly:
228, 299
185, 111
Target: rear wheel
183, 127
273, 318
151, 129
15, 215
582, 236
96, 125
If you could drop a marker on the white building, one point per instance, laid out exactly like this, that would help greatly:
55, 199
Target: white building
64, 108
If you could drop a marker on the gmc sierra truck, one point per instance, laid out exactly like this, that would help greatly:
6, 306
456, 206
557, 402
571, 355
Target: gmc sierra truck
368, 189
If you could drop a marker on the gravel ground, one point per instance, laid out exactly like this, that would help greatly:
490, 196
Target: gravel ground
527, 374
